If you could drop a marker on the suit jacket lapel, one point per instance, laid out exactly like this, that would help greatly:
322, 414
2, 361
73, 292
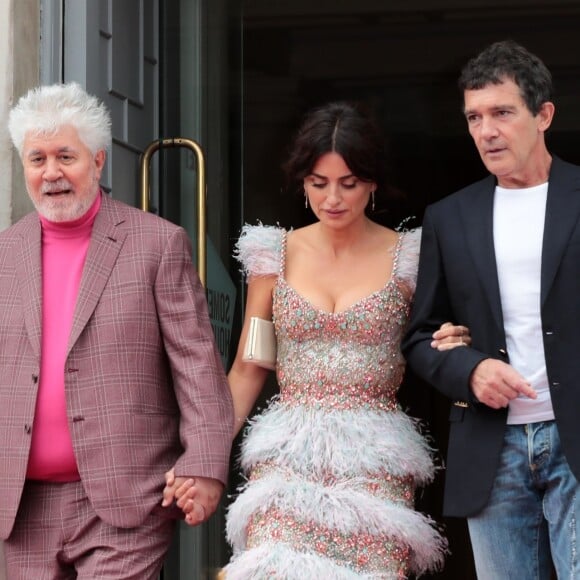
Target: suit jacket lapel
562, 213
28, 267
106, 242
477, 219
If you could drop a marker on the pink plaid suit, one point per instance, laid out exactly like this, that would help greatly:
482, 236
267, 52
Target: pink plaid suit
145, 388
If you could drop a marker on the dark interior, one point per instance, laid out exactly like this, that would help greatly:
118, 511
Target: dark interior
402, 59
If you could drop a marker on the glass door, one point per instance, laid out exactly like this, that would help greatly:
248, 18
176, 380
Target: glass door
199, 100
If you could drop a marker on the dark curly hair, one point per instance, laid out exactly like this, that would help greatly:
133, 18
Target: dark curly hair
509, 60
344, 128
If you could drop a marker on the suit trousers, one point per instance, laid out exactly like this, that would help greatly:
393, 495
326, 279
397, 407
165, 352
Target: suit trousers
58, 536
2, 565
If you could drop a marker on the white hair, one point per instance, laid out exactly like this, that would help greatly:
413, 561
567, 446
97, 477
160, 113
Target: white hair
47, 109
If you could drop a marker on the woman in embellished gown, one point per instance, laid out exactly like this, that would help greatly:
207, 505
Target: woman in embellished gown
333, 462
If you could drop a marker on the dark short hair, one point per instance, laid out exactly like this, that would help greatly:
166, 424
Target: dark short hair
509, 60
344, 128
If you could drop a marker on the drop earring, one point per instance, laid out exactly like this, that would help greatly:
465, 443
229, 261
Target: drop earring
305, 200
372, 201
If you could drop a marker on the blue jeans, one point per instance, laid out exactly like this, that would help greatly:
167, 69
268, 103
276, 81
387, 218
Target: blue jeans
533, 512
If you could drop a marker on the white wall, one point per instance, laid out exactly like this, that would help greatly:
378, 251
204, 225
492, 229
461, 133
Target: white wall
6, 69
19, 70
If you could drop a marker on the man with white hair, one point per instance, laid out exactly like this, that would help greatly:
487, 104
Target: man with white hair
109, 373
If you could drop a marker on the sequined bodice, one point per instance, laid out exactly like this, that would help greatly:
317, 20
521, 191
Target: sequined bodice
348, 359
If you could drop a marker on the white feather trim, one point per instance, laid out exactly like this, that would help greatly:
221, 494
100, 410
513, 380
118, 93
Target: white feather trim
340, 507
259, 250
344, 443
408, 260
279, 561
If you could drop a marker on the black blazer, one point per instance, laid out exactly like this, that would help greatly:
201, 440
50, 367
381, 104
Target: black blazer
457, 281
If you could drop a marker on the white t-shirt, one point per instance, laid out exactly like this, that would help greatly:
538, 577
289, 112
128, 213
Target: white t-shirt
518, 231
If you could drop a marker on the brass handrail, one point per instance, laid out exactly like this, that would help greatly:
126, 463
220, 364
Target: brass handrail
201, 192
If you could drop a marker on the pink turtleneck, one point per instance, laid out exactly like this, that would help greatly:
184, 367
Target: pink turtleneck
64, 249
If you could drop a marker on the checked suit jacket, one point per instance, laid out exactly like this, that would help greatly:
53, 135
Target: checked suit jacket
144, 383
458, 282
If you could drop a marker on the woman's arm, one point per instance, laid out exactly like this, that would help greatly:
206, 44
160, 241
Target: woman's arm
246, 379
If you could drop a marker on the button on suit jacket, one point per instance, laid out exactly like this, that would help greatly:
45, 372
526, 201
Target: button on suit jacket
458, 282
145, 387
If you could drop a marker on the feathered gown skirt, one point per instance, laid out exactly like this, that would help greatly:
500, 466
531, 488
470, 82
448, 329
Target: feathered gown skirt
329, 495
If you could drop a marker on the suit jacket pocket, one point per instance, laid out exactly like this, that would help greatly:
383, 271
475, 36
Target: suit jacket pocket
456, 413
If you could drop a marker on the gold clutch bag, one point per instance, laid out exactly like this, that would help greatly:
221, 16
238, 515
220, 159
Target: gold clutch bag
260, 347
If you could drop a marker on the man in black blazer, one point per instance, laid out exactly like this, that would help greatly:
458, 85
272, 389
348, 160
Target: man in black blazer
502, 257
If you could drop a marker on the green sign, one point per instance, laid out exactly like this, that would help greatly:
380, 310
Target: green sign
221, 299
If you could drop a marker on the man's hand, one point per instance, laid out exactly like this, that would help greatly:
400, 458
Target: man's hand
198, 497
496, 383
450, 336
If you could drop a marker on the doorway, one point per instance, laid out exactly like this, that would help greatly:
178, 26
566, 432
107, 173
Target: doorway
401, 59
